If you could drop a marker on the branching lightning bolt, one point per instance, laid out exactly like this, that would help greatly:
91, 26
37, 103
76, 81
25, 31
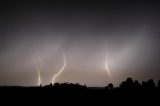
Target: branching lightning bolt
107, 69
61, 70
39, 66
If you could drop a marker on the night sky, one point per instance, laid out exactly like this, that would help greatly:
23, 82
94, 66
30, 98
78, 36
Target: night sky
128, 32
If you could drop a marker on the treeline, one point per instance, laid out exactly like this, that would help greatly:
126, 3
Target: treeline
127, 90
129, 83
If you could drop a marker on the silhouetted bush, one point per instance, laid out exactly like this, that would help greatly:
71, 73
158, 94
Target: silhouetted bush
56, 85
127, 84
150, 84
137, 85
130, 84
109, 86
67, 86
144, 84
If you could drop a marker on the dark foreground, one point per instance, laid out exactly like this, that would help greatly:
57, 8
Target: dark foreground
129, 92
80, 95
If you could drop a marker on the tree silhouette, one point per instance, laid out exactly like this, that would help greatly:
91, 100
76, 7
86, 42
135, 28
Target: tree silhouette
150, 84
144, 84
127, 84
109, 86
137, 85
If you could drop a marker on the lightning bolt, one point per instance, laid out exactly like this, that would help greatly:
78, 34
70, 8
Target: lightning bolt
39, 66
61, 70
107, 69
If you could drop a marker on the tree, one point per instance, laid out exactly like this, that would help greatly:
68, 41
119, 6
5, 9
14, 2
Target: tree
56, 85
127, 84
110, 86
137, 84
150, 83
144, 84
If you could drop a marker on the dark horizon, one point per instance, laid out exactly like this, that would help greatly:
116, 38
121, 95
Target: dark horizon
129, 83
129, 91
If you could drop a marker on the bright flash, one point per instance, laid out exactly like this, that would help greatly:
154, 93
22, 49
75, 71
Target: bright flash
61, 70
107, 69
39, 66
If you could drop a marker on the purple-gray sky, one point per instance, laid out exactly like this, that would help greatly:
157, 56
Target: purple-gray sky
127, 32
